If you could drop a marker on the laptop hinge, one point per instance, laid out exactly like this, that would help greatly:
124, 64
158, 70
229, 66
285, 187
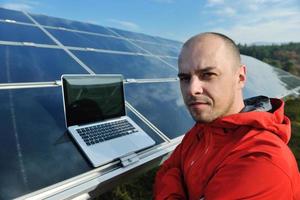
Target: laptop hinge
129, 159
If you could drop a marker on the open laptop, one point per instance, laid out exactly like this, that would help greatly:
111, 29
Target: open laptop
96, 118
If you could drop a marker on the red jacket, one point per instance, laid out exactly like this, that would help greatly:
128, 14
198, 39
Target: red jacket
241, 156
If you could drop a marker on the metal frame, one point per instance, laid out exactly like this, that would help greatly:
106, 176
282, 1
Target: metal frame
100, 178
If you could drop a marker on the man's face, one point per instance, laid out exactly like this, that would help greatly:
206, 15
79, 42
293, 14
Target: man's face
209, 82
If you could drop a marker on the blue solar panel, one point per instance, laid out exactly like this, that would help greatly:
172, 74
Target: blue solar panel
173, 43
259, 77
135, 36
38, 150
13, 15
131, 66
172, 61
38, 142
28, 64
58, 22
162, 104
22, 33
68, 38
158, 49
11, 177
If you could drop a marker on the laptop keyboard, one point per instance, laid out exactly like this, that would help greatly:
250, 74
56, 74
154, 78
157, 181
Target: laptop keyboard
107, 131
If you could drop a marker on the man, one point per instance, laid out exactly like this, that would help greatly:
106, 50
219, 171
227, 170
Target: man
237, 149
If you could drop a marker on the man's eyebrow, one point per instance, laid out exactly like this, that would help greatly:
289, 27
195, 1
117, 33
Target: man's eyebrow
199, 71
206, 69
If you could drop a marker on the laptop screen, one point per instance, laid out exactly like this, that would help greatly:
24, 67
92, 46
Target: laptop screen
93, 98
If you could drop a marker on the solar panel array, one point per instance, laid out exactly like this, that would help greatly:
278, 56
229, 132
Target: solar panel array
35, 50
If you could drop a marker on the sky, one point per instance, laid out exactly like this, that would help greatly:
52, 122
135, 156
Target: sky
245, 21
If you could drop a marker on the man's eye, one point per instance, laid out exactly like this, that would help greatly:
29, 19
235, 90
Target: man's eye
184, 78
208, 75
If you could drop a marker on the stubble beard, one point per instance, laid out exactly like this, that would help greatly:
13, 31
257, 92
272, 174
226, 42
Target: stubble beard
212, 113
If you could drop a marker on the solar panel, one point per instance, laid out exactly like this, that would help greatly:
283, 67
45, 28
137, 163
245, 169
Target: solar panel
162, 104
290, 82
131, 66
33, 131
172, 61
158, 49
23, 33
173, 43
134, 36
70, 24
29, 64
39, 142
76, 39
13, 15
262, 79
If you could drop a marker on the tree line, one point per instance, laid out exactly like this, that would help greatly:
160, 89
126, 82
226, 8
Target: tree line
283, 56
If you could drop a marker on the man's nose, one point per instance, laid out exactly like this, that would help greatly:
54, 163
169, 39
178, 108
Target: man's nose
195, 86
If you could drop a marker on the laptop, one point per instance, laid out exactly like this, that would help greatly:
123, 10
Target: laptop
96, 118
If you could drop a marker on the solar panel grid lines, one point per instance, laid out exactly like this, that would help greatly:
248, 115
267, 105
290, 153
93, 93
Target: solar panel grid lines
116, 52
146, 42
93, 41
44, 20
144, 119
21, 33
109, 36
160, 103
32, 64
155, 43
8, 21
12, 43
24, 85
146, 51
87, 32
61, 45
131, 66
13, 15
79, 31
34, 44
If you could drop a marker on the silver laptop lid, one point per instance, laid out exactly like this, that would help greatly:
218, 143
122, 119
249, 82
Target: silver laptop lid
92, 98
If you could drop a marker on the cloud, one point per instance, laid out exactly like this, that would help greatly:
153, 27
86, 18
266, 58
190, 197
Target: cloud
125, 24
214, 2
22, 5
17, 6
252, 21
227, 11
273, 31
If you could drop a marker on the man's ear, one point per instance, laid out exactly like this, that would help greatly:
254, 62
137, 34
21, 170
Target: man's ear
242, 76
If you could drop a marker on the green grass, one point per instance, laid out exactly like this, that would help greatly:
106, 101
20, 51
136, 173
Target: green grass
292, 110
140, 188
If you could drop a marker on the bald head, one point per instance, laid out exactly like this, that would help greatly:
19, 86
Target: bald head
229, 47
211, 77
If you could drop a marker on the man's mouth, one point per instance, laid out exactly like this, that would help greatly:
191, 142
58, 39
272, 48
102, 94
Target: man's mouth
198, 104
